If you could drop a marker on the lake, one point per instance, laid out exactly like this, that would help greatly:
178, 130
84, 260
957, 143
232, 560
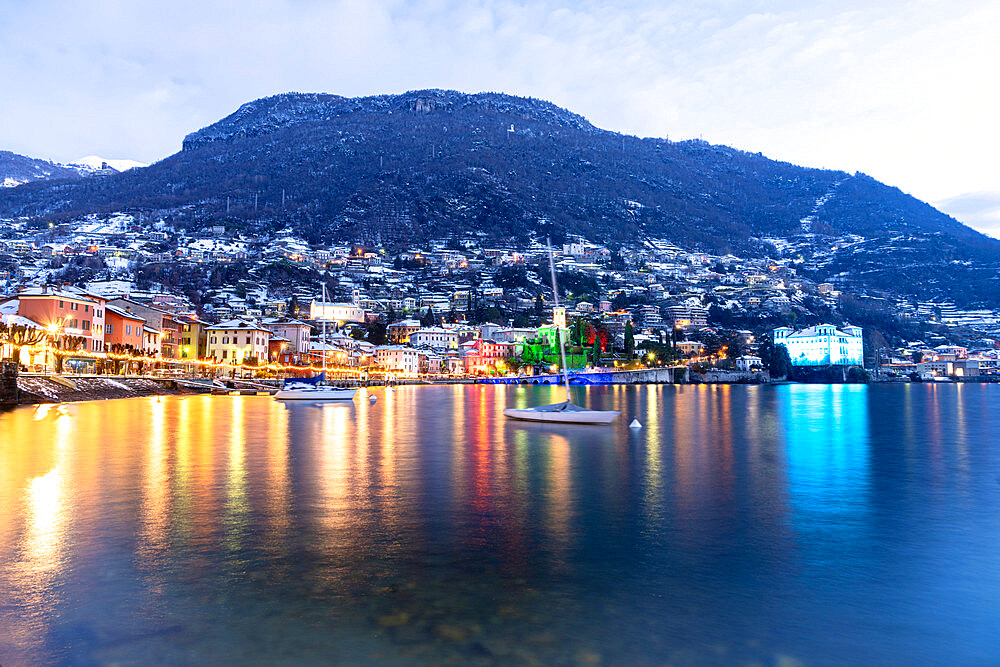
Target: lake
741, 524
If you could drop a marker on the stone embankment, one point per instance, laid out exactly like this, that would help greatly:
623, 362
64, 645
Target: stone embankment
57, 389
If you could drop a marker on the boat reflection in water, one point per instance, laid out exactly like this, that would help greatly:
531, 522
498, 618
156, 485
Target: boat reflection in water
831, 524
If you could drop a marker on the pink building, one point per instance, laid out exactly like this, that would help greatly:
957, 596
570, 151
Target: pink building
66, 313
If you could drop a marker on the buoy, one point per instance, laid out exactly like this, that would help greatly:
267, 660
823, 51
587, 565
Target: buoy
372, 399
635, 424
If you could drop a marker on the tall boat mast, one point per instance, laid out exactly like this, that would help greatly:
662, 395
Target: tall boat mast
559, 334
323, 348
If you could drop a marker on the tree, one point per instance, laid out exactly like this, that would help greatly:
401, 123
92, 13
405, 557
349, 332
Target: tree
19, 336
64, 347
293, 306
376, 333
917, 356
734, 347
629, 341
781, 362
539, 307
428, 318
596, 352
856, 374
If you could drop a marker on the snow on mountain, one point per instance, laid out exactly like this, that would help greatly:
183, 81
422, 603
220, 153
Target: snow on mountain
96, 163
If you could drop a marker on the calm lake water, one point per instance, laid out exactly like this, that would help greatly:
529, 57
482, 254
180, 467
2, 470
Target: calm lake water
820, 524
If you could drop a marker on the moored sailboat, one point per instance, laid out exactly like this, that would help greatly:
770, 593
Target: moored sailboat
565, 412
314, 388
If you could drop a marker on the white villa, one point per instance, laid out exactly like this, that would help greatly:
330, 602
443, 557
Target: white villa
822, 345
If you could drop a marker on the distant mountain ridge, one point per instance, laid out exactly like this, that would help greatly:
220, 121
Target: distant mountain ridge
17, 169
20, 169
97, 163
397, 169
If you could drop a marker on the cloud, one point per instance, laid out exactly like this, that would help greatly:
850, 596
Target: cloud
980, 210
902, 91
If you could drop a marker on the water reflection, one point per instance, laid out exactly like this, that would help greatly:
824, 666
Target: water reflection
741, 522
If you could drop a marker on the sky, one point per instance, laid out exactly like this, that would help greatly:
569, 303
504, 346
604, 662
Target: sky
906, 92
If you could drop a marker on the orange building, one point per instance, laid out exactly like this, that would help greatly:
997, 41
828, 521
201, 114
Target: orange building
122, 328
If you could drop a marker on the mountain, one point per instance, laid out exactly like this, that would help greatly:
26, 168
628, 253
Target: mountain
17, 169
96, 163
395, 169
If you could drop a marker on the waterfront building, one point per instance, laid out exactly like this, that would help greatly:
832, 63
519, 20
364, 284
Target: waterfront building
168, 329
236, 340
122, 328
298, 334
194, 337
822, 345
405, 360
151, 341
66, 313
485, 356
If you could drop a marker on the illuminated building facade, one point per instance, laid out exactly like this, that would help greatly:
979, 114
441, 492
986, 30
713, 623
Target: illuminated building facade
237, 340
822, 345
336, 312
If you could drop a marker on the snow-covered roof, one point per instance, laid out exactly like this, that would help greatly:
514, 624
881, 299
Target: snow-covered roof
13, 319
236, 324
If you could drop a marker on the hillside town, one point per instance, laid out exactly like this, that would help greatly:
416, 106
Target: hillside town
124, 294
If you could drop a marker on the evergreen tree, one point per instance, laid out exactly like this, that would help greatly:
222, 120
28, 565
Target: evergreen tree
428, 318
781, 362
596, 352
376, 333
629, 341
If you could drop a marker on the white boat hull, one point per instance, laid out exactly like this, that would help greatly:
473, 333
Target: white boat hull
557, 416
317, 394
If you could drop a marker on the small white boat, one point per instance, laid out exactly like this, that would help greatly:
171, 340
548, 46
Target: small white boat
562, 413
312, 389
566, 412
309, 392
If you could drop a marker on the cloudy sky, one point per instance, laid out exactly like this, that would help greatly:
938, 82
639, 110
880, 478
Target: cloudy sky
907, 92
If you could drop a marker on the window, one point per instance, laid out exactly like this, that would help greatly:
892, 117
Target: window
128, 329
86, 325
214, 340
110, 328
61, 304
225, 340
225, 353
86, 308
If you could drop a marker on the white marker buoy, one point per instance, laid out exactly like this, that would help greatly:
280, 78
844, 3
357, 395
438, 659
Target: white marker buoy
372, 399
635, 424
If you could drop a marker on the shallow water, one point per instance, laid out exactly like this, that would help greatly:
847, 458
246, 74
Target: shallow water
821, 524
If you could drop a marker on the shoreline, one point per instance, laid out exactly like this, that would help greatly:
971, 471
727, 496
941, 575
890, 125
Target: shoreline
40, 390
